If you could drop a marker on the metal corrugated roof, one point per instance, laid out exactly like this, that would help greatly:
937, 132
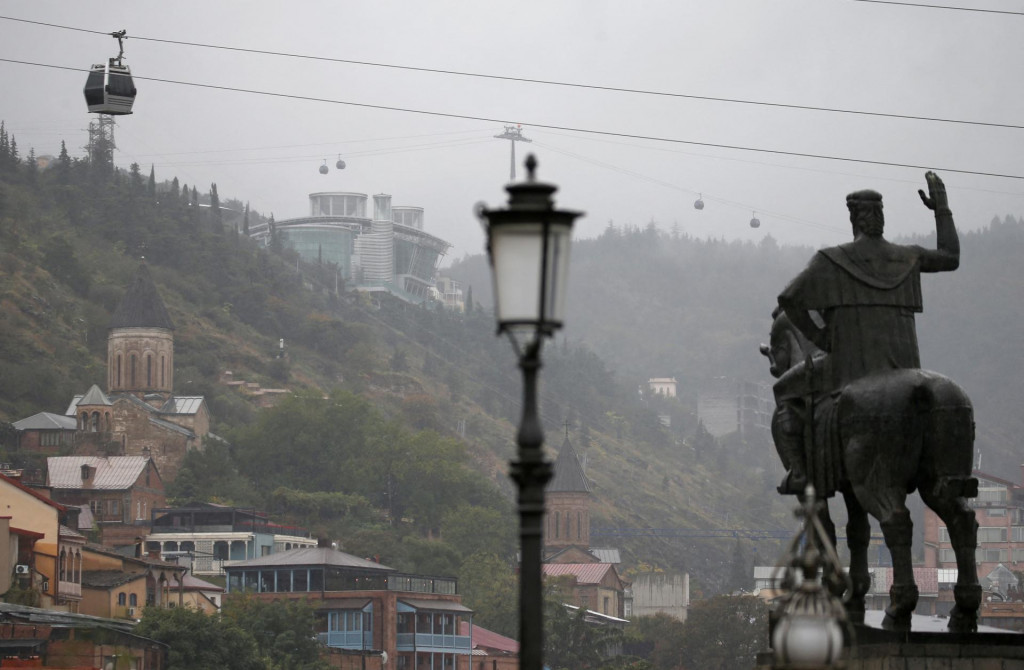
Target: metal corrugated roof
311, 556
606, 554
438, 605
113, 472
46, 421
183, 404
585, 573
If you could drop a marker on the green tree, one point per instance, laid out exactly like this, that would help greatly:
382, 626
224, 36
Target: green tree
724, 633
659, 639
490, 589
572, 642
282, 629
198, 641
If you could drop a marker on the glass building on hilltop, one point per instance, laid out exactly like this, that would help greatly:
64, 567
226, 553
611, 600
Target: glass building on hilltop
386, 250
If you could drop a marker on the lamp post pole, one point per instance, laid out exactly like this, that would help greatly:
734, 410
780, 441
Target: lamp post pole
528, 247
531, 474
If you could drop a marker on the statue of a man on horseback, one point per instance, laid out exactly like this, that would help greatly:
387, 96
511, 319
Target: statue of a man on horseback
857, 415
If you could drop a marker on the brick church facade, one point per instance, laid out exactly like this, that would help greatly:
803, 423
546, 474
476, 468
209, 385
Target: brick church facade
138, 414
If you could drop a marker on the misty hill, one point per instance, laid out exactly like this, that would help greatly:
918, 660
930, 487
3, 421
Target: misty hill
655, 304
435, 390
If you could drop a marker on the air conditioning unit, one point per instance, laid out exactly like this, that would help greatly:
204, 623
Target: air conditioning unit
21, 569
131, 611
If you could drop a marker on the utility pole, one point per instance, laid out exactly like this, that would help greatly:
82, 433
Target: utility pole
514, 134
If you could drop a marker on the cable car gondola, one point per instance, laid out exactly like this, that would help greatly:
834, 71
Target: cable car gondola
323, 168
340, 164
699, 203
755, 222
109, 88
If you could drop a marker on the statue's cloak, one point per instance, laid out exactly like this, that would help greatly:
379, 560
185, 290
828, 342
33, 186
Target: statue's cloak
867, 293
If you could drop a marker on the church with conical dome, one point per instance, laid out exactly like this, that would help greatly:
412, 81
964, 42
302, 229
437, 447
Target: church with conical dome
139, 414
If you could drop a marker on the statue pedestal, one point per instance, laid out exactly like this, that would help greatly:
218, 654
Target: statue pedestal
928, 646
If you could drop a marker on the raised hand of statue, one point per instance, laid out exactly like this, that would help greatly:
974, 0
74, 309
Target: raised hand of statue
936, 198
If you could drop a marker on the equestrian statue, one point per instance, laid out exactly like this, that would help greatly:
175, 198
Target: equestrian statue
856, 414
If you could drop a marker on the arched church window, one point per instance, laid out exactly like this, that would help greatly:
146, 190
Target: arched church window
149, 371
84, 423
131, 370
579, 525
119, 370
95, 422
163, 371
558, 517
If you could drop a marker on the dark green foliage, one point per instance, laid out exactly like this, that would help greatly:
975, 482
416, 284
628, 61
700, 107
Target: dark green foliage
724, 633
281, 630
570, 641
200, 642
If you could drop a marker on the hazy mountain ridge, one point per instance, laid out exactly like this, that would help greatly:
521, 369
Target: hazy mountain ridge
658, 304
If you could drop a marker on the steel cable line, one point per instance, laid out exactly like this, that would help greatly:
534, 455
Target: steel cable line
661, 182
545, 82
958, 9
589, 131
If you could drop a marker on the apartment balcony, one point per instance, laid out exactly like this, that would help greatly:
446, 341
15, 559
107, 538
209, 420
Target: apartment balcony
341, 639
432, 642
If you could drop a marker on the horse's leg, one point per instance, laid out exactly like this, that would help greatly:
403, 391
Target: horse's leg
835, 587
888, 505
858, 537
963, 535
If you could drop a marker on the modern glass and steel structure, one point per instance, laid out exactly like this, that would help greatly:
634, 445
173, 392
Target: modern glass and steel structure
386, 250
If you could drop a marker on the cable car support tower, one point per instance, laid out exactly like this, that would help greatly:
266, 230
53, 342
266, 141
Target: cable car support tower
513, 134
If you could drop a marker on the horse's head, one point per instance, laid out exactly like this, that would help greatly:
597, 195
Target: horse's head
786, 347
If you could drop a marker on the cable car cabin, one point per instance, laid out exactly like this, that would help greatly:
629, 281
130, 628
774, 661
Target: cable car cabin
110, 89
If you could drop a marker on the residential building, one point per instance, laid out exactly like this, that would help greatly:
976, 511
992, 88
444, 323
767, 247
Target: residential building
37, 638
120, 491
491, 651
198, 594
653, 593
364, 607
595, 586
55, 564
46, 433
387, 250
118, 586
210, 537
999, 510
665, 386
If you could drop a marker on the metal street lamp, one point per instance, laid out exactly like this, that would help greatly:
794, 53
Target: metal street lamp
809, 625
528, 247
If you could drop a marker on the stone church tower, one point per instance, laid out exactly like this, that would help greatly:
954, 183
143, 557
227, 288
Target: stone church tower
567, 523
140, 347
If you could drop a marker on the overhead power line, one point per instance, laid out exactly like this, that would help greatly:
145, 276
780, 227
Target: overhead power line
547, 126
958, 9
546, 82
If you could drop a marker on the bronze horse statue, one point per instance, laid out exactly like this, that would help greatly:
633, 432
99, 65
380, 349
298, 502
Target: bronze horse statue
876, 440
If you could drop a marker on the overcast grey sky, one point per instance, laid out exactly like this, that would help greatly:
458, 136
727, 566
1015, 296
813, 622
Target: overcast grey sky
841, 54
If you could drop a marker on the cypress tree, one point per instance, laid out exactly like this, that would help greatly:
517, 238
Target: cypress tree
245, 221
151, 186
215, 209
63, 164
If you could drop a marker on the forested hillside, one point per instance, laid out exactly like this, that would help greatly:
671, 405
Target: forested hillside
654, 304
397, 438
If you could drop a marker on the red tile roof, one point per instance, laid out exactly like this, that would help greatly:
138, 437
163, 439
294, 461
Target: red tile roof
585, 573
487, 639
